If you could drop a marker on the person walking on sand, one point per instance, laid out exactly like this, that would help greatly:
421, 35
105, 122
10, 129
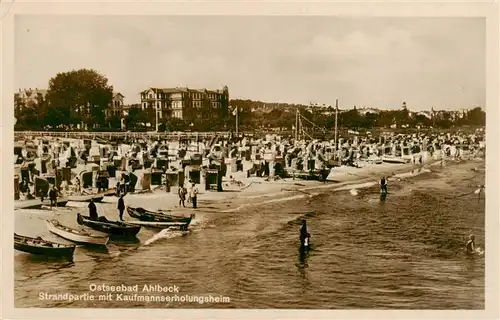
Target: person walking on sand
78, 185
53, 197
182, 196
43, 194
121, 206
93, 210
194, 196
189, 194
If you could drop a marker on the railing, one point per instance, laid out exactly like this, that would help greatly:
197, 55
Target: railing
110, 135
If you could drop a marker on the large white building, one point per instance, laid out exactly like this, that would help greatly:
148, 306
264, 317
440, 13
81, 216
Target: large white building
184, 103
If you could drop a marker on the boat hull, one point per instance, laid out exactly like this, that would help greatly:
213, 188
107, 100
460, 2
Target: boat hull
146, 215
85, 198
37, 203
160, 225
71, 235
394, 160
114, 228
42, 247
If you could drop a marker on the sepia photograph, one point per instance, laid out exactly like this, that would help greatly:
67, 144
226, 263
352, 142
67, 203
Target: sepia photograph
249, 162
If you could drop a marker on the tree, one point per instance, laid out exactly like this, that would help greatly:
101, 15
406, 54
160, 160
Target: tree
135, 117
31, 114
176, 124
115, 122
79, 95
476, 116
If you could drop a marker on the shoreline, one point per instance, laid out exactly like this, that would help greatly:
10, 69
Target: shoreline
260, 193
280, 191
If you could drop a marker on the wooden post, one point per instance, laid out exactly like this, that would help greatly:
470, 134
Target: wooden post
336, 118
237, 121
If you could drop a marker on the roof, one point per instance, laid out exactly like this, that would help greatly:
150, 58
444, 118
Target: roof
30, 91
181, 90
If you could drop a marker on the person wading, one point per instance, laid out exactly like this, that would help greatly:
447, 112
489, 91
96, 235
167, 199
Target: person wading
304, 235
470, 247
383, 185
93, 210
121, 206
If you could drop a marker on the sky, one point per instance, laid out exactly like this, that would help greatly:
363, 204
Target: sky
367, 62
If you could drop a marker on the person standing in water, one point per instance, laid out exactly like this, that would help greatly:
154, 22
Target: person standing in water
304, 235
92, 210
383, 185
121, 206
471, 245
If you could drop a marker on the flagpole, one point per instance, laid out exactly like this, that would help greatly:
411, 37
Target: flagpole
296, 125
156, 112
336, 116
236, 121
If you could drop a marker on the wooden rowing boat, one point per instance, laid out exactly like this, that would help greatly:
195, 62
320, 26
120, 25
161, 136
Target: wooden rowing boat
183, 226
37, 203
115, 228
43, 247
75, 235
147, 215
28, 204
86, 198
396, 160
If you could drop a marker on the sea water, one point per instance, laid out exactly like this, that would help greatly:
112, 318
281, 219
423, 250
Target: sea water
406, 252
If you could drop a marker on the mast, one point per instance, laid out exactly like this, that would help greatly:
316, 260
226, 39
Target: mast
296, 126
336, 117
236, 121
156, 112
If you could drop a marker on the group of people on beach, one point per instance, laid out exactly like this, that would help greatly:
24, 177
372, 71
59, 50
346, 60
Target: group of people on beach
93, 208
192, 195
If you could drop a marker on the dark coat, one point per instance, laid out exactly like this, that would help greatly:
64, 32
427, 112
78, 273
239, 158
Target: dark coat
92, 211
52, 194
121, 204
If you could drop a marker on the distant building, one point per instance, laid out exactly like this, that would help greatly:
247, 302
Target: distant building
27, 98
127, 107
115, 108
185, 103
364, 111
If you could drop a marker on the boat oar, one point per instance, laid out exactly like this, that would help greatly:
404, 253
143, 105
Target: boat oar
461, 195
292, 190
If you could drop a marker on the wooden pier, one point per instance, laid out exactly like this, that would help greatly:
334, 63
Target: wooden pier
123, 135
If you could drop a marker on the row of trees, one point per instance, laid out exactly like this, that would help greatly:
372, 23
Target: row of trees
81, 97
255, 114
78, 97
